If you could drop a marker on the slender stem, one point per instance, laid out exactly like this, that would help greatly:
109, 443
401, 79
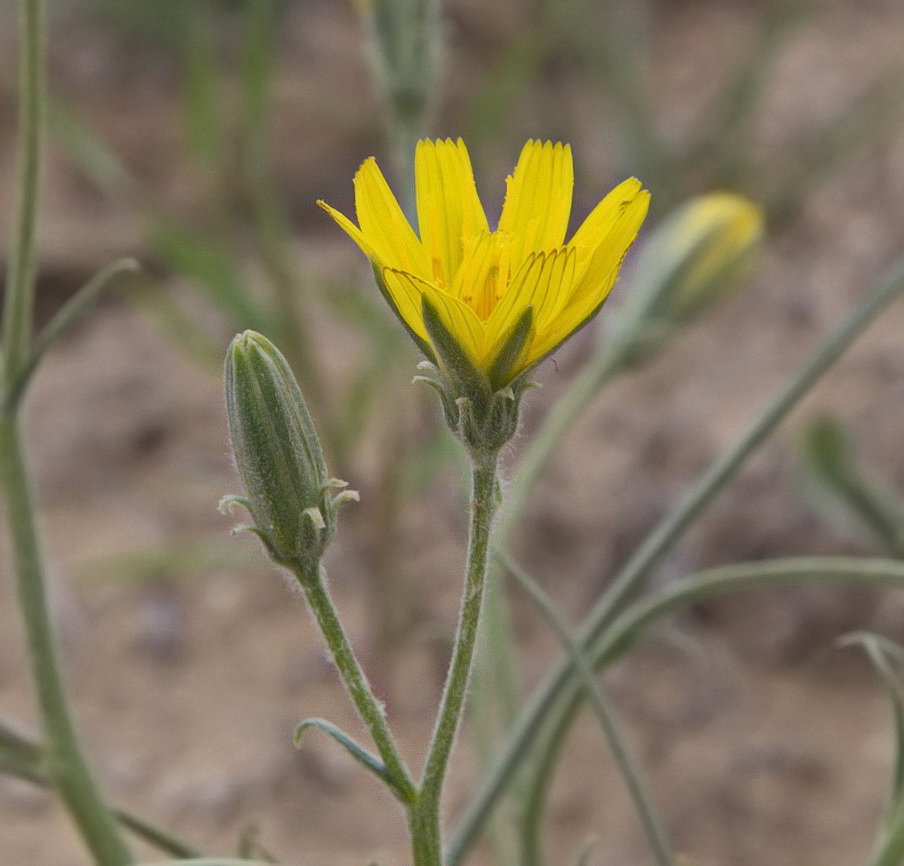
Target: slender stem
366, 703
19, 300
160, 837
668, 531
209, 861
424, 817
629, 627
539, 783
25, 759
890, 848
66, 765
622, 753
68, 768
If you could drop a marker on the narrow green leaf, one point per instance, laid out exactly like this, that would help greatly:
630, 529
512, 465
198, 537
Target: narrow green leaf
368, 760
69, 315
869, 119
884, 656
830, 461
616, 738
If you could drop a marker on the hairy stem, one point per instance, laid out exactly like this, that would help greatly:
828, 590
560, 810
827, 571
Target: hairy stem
425, 816
368, 706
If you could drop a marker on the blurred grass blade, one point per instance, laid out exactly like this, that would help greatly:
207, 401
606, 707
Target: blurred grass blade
91, 156
257, 75
616, 738
885, 656
491, 107
178, 324
720, 135
865, 123
614, 46
832, 465
205, 261
585, 852
180, 559
205, 132
21, 757
251, 847
209, 861
69, 315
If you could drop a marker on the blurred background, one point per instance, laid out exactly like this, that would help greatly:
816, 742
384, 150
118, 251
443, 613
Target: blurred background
196, 136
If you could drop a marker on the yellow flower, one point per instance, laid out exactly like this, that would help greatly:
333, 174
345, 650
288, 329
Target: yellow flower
509, 297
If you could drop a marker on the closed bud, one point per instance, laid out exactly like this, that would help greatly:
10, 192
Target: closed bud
697, 256
292, 500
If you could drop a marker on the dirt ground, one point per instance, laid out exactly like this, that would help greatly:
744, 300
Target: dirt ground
190, 663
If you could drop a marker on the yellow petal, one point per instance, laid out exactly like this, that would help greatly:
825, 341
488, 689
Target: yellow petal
461, 322
538, 199
612, 243
384, 225
604, 216
599, 276
351, 229
545, 283
406, 290
448, 208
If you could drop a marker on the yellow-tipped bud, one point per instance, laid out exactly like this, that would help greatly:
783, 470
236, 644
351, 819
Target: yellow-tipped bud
699, 254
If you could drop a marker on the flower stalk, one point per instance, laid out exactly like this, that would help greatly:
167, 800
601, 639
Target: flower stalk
370, 709
425, 816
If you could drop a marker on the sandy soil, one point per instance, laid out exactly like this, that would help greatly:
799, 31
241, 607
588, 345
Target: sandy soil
190, 662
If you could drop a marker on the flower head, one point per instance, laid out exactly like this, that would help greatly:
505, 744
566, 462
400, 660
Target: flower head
491, 304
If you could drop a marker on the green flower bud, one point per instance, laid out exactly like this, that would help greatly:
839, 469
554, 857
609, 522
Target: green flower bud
291, 498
